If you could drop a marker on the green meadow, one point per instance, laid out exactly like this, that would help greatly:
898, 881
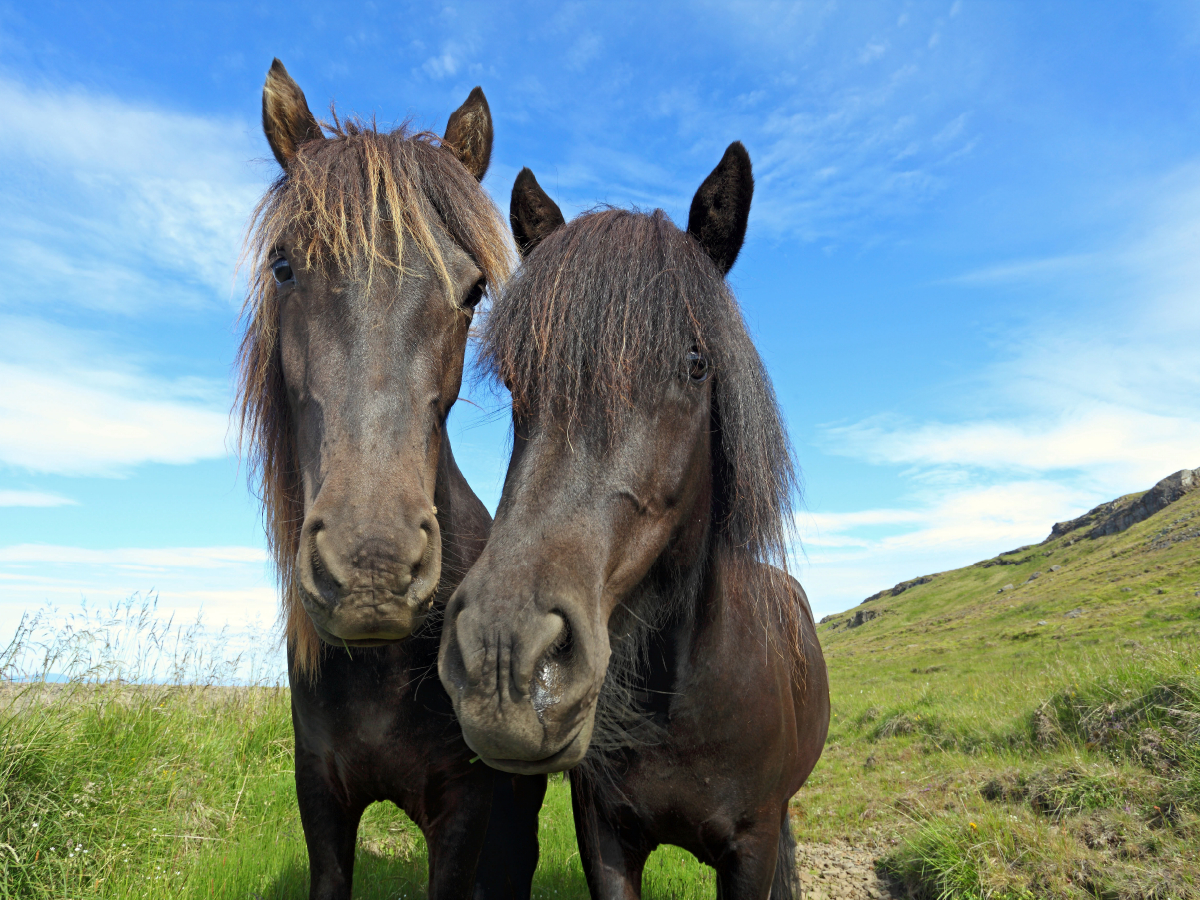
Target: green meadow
1025, 727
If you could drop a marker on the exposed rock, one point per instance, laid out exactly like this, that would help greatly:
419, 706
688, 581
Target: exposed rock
862, 616
1001, 561
1118, 515
901, 587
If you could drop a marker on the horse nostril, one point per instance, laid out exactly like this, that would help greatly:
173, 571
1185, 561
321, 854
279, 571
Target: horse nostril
546, 687
325, 581
564, 645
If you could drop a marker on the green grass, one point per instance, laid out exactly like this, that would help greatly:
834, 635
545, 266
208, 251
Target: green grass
985, 754
999, 747
116, 791
127, 791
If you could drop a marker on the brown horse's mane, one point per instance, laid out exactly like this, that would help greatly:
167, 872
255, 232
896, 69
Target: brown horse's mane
346, 201
606, 309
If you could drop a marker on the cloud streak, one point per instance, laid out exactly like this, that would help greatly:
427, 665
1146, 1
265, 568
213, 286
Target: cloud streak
120, 207
95, 421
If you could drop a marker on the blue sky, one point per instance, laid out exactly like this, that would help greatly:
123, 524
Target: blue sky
971, 264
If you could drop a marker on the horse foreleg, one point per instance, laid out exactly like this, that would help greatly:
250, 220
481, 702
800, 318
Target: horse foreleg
746, 871
510, 851
455, 836
330, 827
612, 861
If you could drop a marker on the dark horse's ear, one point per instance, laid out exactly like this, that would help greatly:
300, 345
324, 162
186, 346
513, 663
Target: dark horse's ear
722, 206
287, 120
469, 134
532, 213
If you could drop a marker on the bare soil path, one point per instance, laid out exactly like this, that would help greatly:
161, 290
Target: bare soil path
842, 871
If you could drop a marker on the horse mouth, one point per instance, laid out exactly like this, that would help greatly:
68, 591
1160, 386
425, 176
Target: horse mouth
571, 754
373, 624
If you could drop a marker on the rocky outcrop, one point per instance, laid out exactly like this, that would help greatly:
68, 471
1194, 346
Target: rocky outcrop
1116, 516
863, 616
901, 587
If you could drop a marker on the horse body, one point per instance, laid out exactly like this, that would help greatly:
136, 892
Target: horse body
734, 741
625, 620
370, 253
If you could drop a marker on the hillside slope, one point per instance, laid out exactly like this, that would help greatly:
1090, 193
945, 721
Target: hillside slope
1027, 726
1086, 581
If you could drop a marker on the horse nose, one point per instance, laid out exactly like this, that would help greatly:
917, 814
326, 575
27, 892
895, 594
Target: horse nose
485, 653
520, 672
368, 579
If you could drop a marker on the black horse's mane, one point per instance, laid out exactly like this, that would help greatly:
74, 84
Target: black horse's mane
605, 310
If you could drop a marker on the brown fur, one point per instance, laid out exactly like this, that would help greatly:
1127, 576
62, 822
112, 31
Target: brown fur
350, 201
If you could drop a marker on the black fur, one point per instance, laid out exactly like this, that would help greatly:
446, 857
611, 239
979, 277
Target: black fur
721, 207
532, 213
786, 885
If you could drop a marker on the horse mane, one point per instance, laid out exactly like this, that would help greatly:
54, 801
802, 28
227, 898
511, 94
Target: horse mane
605, 310
348, 202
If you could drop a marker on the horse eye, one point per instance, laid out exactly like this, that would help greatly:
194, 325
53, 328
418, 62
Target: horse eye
697, 367
282, 270
475, 294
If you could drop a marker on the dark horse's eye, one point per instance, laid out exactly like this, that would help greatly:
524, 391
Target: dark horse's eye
282, 270
697, 367
475, 294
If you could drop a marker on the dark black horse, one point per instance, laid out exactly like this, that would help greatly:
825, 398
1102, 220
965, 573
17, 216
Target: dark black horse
368, 257
631, 618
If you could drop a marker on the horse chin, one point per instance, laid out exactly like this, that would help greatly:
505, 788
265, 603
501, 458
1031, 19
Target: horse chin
371, 626
568, 757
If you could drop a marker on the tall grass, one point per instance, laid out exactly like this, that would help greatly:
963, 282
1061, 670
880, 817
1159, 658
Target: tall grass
142, 758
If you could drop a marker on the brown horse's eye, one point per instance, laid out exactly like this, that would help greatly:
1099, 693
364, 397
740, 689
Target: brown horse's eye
697, 367
282, 270
475, 294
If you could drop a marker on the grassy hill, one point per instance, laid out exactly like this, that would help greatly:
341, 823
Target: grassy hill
1027, 726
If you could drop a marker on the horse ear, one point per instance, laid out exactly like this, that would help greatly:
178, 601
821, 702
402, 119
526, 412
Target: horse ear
532, 213
287, 120
721, 207
469, 134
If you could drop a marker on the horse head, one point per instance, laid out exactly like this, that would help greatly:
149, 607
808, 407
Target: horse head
369, 255
643, 430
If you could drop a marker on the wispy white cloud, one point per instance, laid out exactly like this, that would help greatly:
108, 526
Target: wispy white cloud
75, 420
118, 206
1113, 444
34, 498
845, 559
141, 559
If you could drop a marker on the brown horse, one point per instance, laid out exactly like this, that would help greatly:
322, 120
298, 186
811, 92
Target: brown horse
368, 256
631, 615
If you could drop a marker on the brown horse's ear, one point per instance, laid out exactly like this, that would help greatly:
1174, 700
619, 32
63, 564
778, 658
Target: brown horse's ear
287, 120
532, 213
469, 134
721, 207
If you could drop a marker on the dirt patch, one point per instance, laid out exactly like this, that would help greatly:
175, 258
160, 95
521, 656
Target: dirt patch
842, 872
